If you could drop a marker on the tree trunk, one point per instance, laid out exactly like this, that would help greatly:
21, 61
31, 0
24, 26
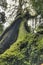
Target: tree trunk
10, 35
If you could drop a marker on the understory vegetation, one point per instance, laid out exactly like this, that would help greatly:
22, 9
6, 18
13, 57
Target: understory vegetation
27, 50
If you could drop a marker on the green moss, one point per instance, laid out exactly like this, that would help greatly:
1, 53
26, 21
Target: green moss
28, 54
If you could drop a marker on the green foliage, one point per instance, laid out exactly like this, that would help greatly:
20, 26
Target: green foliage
40, 28
27, 50
38, 6
1, 28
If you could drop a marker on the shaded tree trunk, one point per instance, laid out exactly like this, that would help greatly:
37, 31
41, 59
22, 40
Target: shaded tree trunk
10, 35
